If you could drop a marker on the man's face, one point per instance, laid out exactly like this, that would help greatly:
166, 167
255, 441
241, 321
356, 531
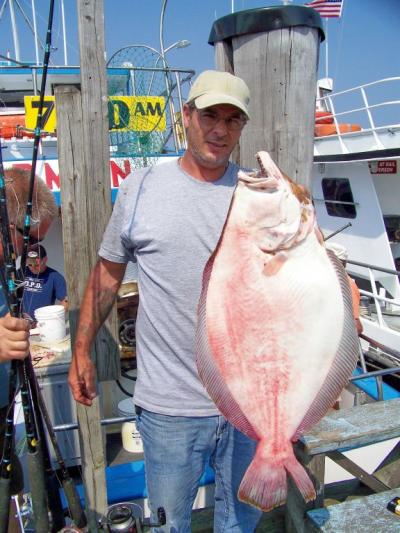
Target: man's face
37, 265
212, 133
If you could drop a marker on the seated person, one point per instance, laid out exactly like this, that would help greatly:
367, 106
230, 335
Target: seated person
43, 285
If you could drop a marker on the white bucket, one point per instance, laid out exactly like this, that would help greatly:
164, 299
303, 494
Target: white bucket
131, 439
51, 322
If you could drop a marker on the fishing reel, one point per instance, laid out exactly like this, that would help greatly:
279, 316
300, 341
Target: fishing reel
128, 518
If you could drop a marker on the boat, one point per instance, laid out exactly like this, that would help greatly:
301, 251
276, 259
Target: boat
355, 184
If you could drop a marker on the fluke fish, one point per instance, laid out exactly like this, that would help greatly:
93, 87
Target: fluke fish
276, 341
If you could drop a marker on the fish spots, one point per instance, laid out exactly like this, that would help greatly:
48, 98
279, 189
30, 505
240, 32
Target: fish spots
301, 192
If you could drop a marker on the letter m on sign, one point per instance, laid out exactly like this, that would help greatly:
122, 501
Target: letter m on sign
156, 110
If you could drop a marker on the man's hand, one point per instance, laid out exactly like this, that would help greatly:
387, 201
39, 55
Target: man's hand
14, 338
82, 379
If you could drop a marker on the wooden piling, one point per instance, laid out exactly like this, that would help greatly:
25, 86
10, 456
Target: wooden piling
275, 50
83, 153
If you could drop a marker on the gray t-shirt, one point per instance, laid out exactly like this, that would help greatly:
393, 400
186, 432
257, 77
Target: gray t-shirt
170, 223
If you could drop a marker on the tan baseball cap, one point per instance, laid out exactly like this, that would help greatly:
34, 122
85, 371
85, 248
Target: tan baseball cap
213, 87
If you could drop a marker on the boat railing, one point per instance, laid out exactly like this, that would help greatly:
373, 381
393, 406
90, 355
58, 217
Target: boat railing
127, 80
372, 106
378, 294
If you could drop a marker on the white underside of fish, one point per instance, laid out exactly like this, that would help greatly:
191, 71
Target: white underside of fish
276, 340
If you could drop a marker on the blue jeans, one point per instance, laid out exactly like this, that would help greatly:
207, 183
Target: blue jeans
176, 450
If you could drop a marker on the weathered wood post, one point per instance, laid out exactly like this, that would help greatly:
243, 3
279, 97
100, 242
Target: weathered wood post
83, 152
275, 50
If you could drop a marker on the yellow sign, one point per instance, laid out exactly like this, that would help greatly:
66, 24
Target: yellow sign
136, 113
125, 113
48, 114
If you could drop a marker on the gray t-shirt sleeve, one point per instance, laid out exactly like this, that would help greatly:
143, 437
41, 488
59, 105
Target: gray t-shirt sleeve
112, 247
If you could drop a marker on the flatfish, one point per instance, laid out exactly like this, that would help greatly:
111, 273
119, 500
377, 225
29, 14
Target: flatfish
276, 341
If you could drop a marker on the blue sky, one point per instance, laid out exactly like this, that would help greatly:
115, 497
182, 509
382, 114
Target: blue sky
363, 45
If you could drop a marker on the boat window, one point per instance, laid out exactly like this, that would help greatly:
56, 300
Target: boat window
392, 225
338, 197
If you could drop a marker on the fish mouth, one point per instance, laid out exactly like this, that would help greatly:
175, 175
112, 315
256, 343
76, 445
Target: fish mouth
256, 180
263, 170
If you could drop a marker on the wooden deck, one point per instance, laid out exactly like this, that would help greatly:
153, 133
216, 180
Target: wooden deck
274, 522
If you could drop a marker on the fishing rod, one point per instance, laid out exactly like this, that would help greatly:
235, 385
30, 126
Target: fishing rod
57, 519
71, 494
41, 410
338, 231
35, 460
11, 297
37, 137
33, 424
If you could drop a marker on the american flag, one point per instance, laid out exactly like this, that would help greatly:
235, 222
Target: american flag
327, 8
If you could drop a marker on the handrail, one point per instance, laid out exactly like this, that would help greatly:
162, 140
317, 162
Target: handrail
376, 344
376, 373
374, 267
77, 68
376, 82
368, 121
374, 294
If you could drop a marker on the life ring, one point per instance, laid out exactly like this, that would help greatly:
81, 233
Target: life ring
322, 130
323, 117
397, 235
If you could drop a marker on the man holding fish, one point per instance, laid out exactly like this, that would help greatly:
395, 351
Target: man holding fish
225, 260
169, 218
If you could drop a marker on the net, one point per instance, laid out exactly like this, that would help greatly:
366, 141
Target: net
139, 107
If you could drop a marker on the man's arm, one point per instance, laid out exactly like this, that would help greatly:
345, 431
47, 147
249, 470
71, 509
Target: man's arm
100, 293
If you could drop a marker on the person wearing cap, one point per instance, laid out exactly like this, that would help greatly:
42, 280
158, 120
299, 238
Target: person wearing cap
169, 218
43, 285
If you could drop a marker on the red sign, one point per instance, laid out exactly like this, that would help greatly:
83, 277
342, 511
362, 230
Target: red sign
48, 171
383, 167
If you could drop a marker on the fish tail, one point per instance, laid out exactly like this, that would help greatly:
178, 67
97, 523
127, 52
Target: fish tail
300, 477
264, 483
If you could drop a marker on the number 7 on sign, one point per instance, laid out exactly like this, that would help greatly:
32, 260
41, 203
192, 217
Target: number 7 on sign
48, 114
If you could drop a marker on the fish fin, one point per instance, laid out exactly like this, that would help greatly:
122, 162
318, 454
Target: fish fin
301, 478
275, 262
209, 372
344, 362
264, 483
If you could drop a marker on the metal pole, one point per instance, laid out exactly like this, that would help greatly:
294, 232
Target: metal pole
64, 32
35, 31
178, 84
164, 5
167, 86
14, 30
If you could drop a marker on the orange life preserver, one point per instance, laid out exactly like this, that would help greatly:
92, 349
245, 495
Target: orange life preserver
322, 130
323, 117
10, 126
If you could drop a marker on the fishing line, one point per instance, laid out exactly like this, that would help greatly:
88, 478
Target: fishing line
36, 141
33, 422
17, 368
72, 503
